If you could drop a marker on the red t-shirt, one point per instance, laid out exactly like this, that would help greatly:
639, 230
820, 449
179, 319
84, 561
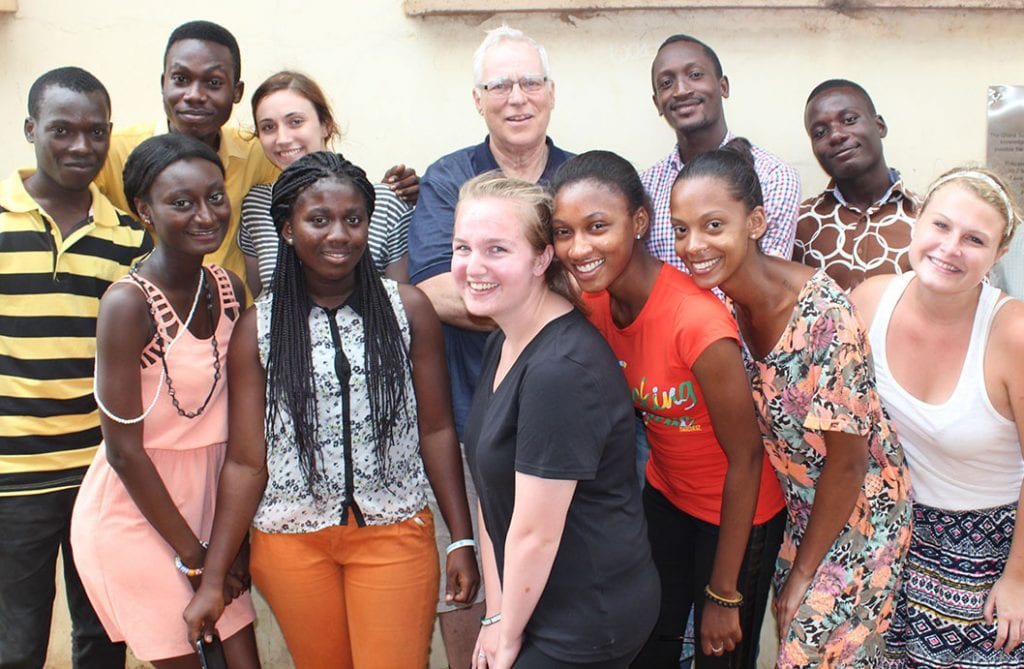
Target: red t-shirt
656, 352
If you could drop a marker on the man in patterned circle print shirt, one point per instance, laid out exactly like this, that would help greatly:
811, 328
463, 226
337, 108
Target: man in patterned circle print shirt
860, 224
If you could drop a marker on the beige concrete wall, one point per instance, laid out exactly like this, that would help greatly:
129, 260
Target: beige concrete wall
401, 85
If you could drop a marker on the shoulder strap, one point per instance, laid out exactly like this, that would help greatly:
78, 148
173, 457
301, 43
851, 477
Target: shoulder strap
879, 328
162, 315
989, 304
225, 291
891, 294
986, 327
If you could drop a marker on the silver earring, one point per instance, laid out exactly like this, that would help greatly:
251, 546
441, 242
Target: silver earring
639, 236
288, 242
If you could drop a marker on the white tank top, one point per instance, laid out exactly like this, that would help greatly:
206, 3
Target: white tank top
962, 453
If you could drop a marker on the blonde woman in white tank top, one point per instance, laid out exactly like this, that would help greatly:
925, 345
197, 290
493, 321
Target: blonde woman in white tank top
949, 358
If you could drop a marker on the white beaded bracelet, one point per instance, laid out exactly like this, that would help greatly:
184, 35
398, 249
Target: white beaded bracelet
461, 543
185, 569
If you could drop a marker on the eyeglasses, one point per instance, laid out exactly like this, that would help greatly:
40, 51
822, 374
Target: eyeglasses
502, 88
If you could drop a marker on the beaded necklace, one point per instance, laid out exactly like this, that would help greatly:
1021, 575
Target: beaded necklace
160, 351
163, 352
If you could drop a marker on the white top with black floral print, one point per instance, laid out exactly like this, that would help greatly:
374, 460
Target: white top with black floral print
288, 505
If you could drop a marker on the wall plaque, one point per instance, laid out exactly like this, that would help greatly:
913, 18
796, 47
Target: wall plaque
1005, 154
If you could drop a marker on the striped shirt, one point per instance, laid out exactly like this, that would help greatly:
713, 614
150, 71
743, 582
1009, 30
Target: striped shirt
50, 289
780, 185
389, 229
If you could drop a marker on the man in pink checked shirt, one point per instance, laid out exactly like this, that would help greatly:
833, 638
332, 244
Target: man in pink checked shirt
688, 90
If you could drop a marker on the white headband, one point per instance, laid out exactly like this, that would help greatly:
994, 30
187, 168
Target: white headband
981, 176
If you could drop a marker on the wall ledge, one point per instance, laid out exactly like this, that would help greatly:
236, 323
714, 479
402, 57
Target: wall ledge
441, 7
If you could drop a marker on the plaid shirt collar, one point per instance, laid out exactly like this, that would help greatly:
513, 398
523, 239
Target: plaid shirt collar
675, 161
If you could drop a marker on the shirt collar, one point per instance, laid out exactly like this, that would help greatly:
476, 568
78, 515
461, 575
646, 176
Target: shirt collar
676, 162
483, 160
13, 195
895, 187
353, 302
15, 198
231, 143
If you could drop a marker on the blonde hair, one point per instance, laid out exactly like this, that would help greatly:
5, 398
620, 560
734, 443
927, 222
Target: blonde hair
535, 204
990, 188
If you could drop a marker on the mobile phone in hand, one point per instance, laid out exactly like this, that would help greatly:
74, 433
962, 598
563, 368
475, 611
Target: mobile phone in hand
211, 655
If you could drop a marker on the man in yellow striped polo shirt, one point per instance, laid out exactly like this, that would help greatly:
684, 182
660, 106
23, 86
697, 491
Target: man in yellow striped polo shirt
61, 244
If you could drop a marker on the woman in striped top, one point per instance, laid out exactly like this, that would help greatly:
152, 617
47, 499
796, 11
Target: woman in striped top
293, 118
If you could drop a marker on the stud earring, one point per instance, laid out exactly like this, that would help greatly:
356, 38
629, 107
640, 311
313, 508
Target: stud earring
639, 236
289, 241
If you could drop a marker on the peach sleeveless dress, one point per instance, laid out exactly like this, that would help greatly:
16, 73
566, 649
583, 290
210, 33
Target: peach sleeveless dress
126, 566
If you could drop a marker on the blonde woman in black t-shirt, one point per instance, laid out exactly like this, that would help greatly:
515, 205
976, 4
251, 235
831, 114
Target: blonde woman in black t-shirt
568, 573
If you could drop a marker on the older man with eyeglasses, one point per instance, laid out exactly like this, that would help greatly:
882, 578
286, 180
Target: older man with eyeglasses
515, 94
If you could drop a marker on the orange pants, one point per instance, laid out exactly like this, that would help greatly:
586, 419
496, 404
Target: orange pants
350, 596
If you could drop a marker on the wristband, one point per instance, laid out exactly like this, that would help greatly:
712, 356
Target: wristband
185, 569
490, 620
725, 602
461, 543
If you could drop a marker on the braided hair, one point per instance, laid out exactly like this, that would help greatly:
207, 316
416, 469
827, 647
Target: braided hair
290, 380
733, 164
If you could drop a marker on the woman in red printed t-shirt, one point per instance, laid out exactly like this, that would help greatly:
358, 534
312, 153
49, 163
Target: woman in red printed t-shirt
714, 508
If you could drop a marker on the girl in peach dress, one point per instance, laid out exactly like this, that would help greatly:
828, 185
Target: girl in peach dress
147, 502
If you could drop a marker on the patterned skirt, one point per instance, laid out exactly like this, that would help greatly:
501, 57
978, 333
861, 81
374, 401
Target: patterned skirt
955, 558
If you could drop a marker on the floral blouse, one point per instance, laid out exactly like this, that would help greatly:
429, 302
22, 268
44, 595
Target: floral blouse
819, 378
288, 506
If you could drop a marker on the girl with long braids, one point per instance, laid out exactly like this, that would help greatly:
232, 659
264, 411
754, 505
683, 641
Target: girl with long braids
146, 506
348, 370
828, 437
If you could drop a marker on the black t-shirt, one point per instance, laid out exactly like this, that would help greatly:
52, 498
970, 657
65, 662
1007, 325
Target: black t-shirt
563, 411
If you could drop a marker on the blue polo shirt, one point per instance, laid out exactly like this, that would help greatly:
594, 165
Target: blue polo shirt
430, 252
